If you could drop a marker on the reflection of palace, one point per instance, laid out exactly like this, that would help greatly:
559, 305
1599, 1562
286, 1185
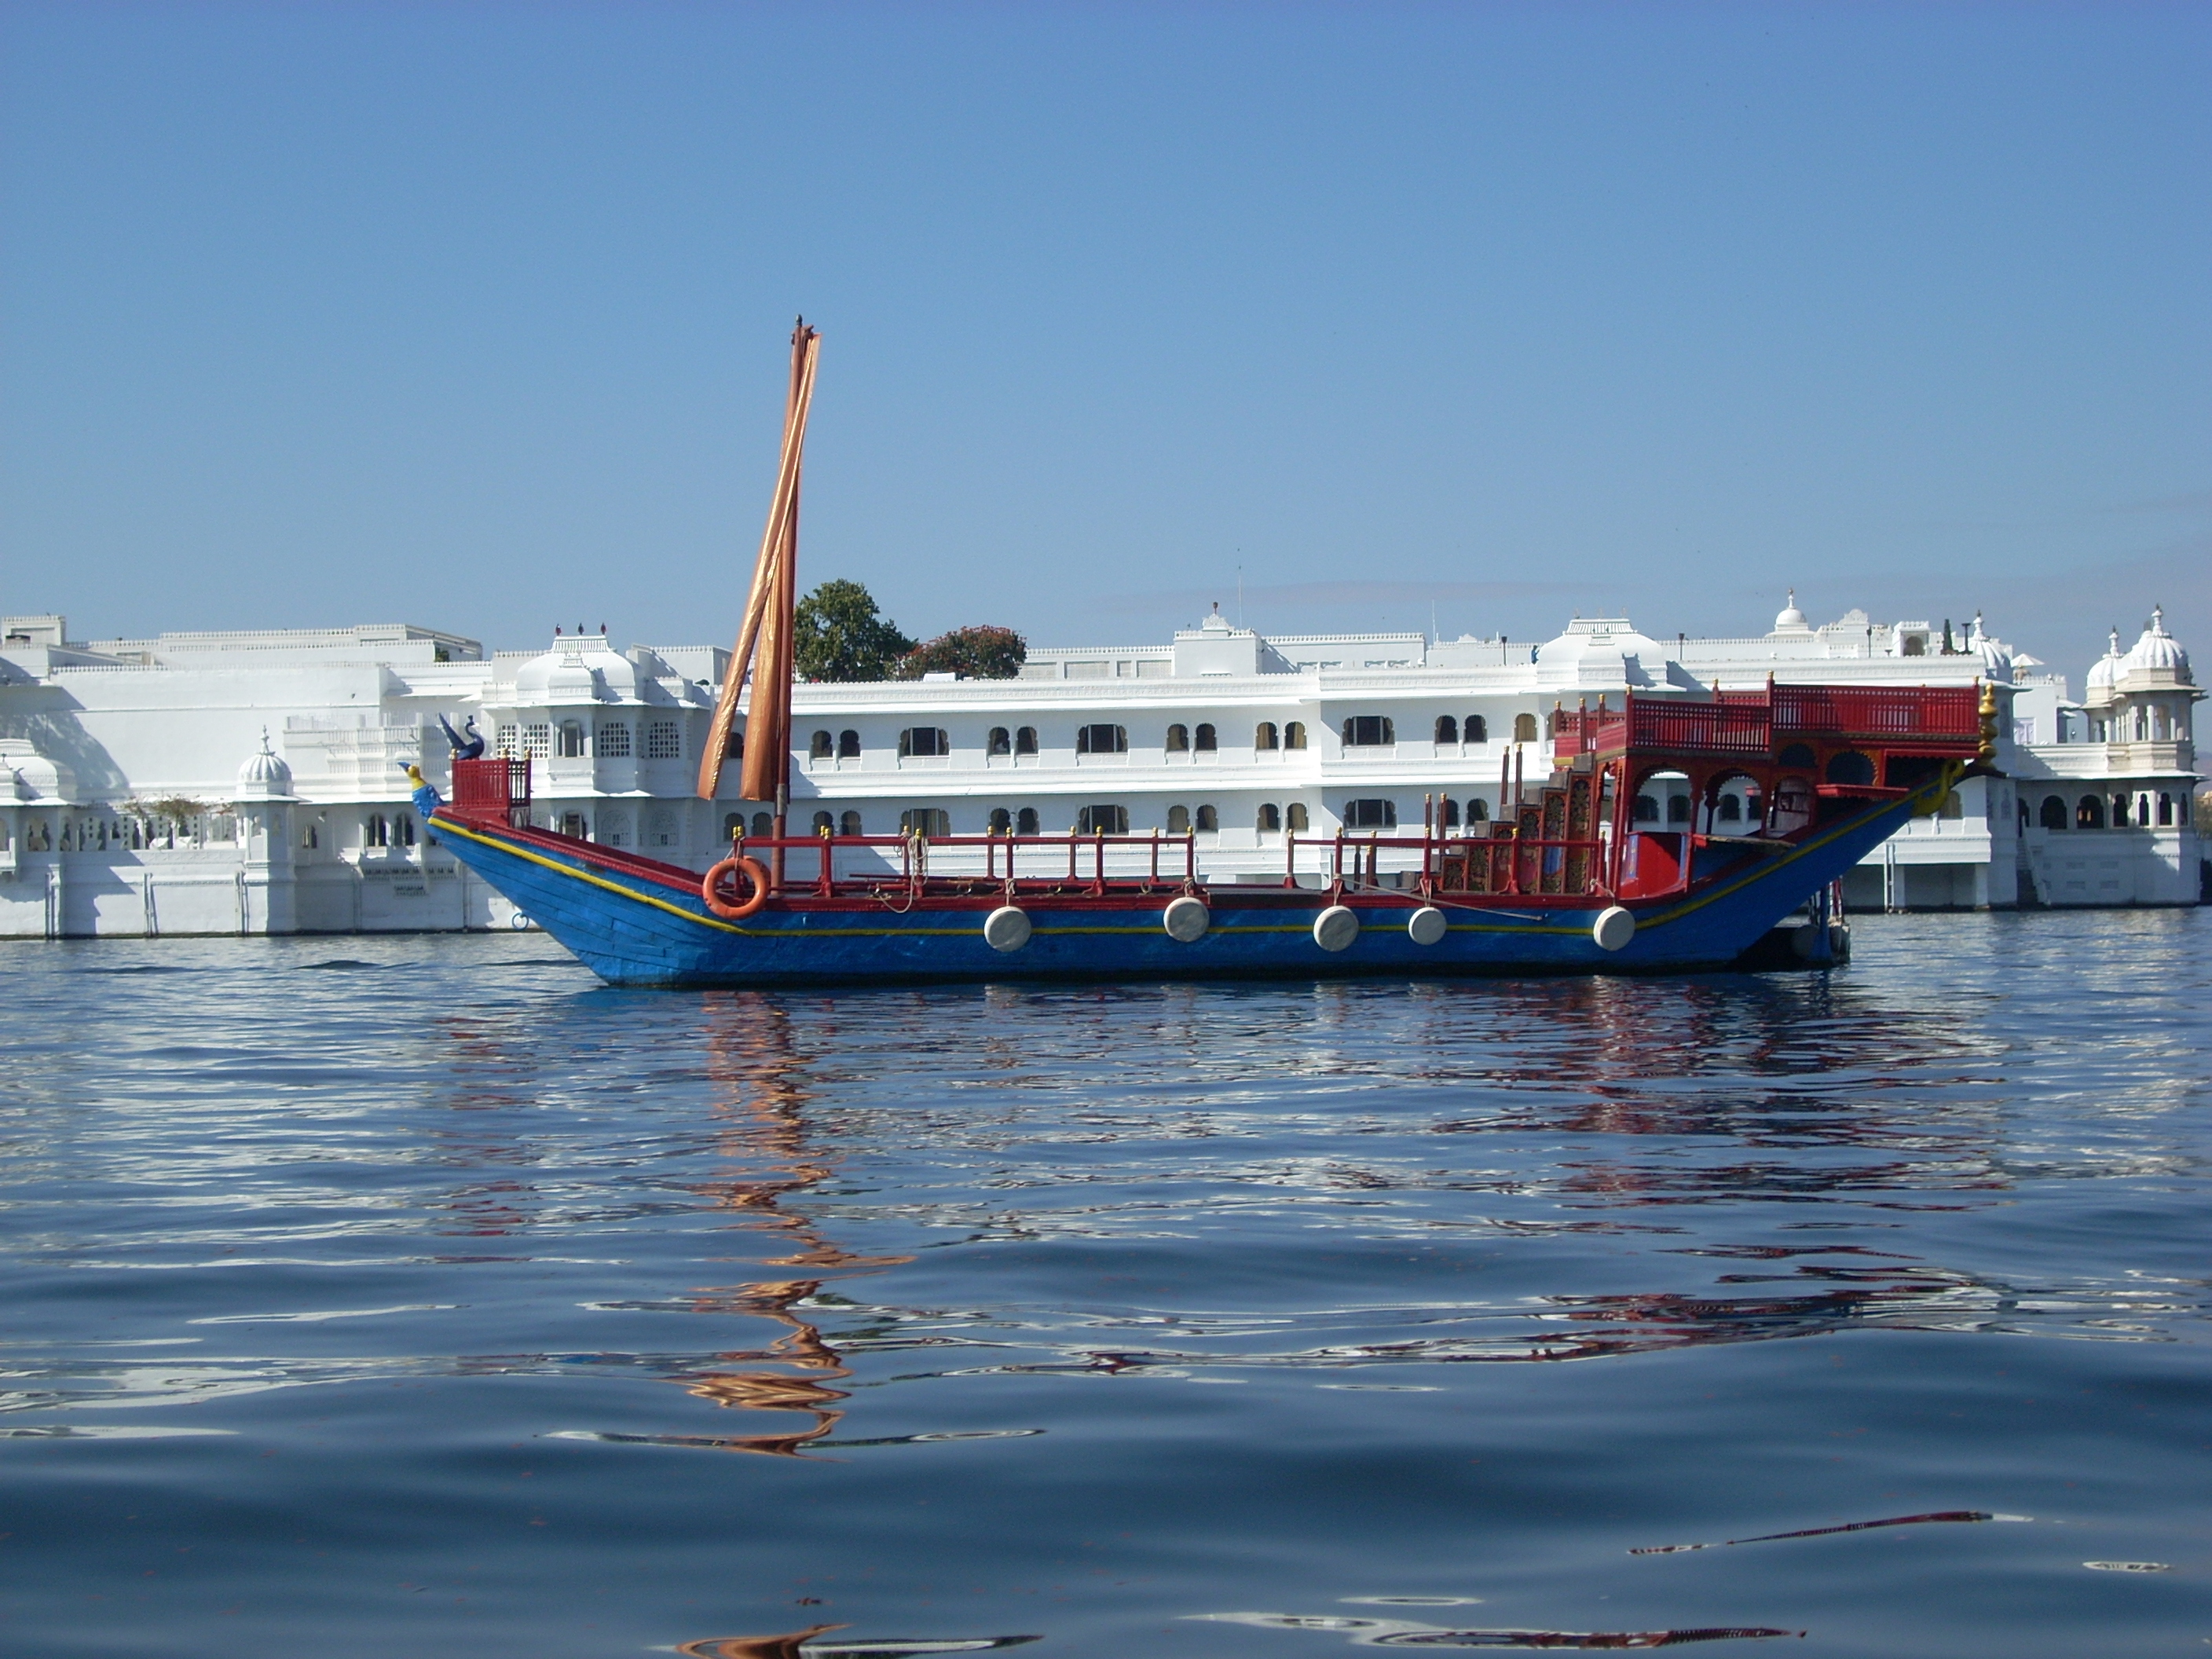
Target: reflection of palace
251, 782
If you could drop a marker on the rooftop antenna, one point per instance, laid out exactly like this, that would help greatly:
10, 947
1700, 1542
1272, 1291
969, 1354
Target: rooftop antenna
1240, 590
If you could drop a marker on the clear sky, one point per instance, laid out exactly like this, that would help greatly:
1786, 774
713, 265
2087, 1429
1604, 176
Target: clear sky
475, 315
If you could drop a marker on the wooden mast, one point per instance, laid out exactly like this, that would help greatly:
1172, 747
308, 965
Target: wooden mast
769, 617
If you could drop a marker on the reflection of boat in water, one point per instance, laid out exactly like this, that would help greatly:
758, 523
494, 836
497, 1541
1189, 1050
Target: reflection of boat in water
1411, 1633
764, 1127
817, 1643
1572, 875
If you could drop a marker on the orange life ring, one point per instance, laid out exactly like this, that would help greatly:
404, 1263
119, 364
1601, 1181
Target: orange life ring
753, 873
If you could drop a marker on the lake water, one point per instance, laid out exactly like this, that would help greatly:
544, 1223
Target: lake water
423, 1297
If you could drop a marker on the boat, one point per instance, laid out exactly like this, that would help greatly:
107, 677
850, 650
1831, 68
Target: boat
1573, 877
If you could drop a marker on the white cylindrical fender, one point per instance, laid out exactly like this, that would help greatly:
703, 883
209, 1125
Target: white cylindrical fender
1335, 928
1006, 928
1187, 920
1426, 925
1613, 928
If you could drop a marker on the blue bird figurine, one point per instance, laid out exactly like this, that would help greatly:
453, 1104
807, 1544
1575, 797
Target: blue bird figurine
468, 747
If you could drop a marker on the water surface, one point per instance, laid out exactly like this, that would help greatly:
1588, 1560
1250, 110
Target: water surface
423, 1296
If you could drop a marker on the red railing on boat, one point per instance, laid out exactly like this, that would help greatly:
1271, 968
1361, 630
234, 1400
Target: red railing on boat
1751, 724
493, 786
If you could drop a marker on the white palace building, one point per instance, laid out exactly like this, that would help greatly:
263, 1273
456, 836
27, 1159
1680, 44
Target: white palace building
253, 782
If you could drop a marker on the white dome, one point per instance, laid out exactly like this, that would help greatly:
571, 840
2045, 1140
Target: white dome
265, 776
2156, 652
1996, 656
1791, 620
1598, 652
2106, 668
584, 669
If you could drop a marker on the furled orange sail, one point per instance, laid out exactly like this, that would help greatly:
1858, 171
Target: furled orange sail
764, 637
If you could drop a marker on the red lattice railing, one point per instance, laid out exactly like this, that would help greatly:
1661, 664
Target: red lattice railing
1744, 724
492, 787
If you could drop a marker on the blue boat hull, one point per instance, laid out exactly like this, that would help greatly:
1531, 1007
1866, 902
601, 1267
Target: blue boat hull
632, 930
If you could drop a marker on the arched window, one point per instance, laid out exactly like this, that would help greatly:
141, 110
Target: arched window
849, 745
1447, 729
1478, 812
1851, 766
572, 740
1678, 808
1103, 820
1271, 818
821, 746
926, 821
1263, 735
571, 825
824, 825
1369, 731
1797, 753
613, 827
1296, 818
1731, 810
850, 824
614, 740
1001, 742
1103, 739
734, 748
403, 825
1178, 820
1448, 814
1202, 740
763, 825
664, 740
1478, 729
1025, 743
660, 827
1025, 821
734, 825
1371, 815
1647, 809
1294, 734
1208, 821
376, 832
1002, 822
2165, 808
1524, 728
924, 742
312, 839
2089, 813
1178, 740
2119, 812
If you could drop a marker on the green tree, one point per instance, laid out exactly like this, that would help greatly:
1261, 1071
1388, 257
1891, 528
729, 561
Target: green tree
841, 635
983, 653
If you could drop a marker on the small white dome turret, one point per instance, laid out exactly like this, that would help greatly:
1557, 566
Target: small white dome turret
1996, 656
265, 776
2156, 653
1791, 620
2106, 668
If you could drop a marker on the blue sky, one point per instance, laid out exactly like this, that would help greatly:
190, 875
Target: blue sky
475, 315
